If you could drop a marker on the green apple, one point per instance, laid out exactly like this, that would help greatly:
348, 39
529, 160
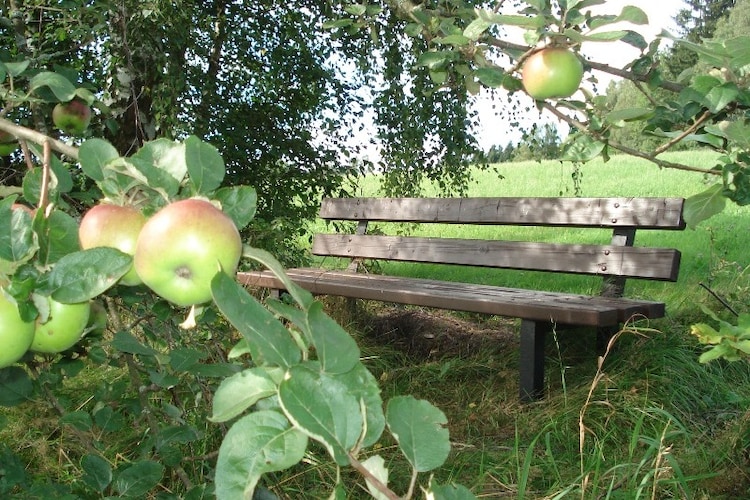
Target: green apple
553, 72
62, 329
182, 247
113, 226
16, 334
72, 117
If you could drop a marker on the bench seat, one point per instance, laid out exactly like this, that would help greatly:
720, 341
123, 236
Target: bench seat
535, 305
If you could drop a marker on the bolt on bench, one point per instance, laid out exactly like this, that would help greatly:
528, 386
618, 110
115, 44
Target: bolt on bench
539, 311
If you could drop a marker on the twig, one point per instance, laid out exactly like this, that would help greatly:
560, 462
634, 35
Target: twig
625, 149
720, 299
369, 476
38, 138
692, 128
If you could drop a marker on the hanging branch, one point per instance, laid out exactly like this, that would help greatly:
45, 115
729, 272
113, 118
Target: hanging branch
625, 149
23, 133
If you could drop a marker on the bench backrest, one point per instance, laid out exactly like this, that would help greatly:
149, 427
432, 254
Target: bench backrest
615, 261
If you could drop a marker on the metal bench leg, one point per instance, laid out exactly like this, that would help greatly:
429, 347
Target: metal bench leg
533, 334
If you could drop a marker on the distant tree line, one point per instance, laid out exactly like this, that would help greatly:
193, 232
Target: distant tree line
541, 142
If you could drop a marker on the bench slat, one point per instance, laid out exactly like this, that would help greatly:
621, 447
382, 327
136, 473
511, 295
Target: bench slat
604, 260
559, 308
653, 213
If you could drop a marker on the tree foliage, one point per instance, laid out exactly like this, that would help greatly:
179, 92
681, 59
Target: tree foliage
280, 96
277, 89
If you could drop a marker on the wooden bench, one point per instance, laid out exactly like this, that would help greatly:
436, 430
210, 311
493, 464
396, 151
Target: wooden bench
615, 261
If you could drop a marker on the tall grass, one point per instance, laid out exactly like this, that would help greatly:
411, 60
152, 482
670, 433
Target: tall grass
649, 423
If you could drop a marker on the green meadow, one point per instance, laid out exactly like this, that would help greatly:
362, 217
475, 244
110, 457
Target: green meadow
650, 422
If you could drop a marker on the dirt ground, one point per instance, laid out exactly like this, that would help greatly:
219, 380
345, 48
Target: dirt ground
428, 335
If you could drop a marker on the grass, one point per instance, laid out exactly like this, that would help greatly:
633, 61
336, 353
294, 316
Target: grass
650, 422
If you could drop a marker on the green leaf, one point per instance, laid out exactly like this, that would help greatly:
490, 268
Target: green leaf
718, 352
581, 148
363, 385
337, 351
323, 408
621, 116
166, 155
109, 420
126, 342
83, 275
157, 179
355, 9
94, 155
475, 28
176, 434
17, 241
303, 298
240, 391
629, 13
635, 39
256, 444
436, 60
239, 203
530, 22
16, 68
606, 36
62, 181
376, 465
633, 15
737, 131
215, 370
450, 492
269, 341
80, 420
456, 40
706, 334
138, 479
59, 237
97, 473
60, 86
15, 386
182, 359
419, 428
721, 96
493, 76
204, 164
704, 205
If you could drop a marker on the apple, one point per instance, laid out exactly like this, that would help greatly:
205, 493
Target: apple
552, 72
72, 117
16, 334
63, 328
183, 246
114, 226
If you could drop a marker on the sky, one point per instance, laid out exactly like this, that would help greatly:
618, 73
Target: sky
494, 129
